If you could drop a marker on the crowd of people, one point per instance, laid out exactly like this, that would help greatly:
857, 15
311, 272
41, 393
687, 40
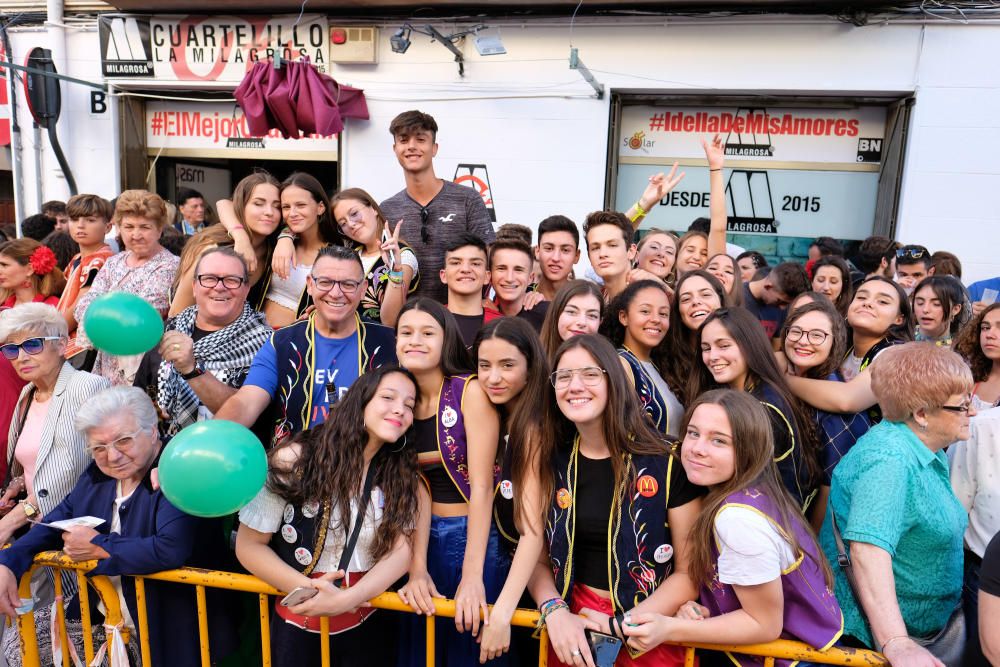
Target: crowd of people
683, 445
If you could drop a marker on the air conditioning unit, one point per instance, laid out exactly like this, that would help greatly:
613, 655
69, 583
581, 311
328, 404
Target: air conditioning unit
354, 45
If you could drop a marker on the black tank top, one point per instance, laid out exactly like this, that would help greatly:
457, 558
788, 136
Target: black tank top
443, 490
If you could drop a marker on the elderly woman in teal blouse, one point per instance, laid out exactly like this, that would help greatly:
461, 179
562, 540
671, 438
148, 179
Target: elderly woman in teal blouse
895, 508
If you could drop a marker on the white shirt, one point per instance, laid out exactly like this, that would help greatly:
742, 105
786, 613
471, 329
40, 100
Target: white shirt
116, 527
751, 550
287, 293
265, 514
975, 478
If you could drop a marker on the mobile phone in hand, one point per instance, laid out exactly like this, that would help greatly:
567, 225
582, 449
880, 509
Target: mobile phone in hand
298, 596
605, 648
387, 237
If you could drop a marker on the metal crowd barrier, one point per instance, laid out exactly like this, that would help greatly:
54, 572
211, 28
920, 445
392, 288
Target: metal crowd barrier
202, 579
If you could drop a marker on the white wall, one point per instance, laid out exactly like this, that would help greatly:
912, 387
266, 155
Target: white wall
87, 139
543, 135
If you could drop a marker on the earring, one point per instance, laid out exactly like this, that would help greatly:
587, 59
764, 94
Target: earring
923, 427
401, 447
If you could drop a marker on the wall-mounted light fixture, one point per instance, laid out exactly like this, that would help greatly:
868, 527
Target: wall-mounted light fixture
488, 44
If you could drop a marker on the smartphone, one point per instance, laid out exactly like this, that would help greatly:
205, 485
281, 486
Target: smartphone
387, 237
298, 596
605, 648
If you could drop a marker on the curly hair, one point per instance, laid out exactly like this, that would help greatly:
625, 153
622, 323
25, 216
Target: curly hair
331, 465
141, 204
967, 344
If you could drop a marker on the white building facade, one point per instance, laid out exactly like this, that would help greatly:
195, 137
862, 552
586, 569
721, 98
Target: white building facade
831, 129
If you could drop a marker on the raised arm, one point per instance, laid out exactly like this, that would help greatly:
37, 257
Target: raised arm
715, 153
659, 186
241, 240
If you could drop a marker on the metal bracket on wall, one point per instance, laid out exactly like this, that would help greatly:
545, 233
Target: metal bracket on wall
577, 64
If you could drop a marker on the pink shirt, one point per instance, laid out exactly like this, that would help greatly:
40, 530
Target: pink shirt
29, 441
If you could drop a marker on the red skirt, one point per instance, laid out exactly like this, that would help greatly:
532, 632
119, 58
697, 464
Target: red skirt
661, 656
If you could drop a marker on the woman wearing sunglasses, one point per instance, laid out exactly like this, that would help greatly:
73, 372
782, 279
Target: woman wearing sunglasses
45, 453
390, 265
617, 532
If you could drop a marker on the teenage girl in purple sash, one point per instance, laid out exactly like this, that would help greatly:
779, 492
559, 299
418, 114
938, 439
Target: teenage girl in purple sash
456, 548
760, 571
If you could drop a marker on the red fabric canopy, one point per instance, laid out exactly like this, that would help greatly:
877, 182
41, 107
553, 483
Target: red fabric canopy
296, 99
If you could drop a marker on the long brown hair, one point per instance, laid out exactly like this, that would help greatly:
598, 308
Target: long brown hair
839, 334
21, 250
357, 194
550, 326
679, 363
530, 451
331, 465
762, 369
625, 426
217, 235
753, 459
967, 344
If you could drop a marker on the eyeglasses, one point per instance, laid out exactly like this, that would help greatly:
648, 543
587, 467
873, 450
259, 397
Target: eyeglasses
814, 336
912, 252
327, 284
590, 376
961, 409
122, 445
354, 217
425, 234
209, 281
31, 346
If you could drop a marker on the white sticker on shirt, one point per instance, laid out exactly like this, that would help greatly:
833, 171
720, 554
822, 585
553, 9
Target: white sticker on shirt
303, 556
310, 509
289, 513
449, 417
289, 534
663, 553
507, 489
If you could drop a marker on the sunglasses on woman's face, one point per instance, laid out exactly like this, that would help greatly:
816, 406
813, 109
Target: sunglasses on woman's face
31, 346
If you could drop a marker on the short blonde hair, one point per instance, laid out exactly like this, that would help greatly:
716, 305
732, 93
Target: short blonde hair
36, 318
908, 377
142, 204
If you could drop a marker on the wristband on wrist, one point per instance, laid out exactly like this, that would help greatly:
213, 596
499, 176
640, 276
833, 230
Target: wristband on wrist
892, 639
396, 277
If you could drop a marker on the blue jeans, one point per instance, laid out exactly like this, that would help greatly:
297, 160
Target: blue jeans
445, 554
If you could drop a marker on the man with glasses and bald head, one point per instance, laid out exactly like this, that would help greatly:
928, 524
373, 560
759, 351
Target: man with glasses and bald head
307, 366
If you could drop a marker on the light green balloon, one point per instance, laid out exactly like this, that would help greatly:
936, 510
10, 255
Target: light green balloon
212, 468
121, 323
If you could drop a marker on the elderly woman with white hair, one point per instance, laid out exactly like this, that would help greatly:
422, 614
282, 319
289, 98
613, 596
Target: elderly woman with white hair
45, 453
892, 511
141, 533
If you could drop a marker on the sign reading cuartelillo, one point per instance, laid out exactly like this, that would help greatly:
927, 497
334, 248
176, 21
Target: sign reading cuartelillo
207, 48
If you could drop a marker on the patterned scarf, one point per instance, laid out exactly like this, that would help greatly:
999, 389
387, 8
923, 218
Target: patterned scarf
226, 353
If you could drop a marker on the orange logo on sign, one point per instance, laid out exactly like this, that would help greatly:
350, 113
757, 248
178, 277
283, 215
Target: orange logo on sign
646, 486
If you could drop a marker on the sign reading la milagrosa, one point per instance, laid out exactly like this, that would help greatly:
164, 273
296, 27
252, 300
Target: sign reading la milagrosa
207, 48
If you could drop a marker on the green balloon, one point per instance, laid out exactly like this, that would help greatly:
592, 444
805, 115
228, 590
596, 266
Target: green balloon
121, 323
212, 468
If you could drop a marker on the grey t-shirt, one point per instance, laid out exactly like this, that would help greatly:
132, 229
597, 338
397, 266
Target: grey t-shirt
455, 210
675, 411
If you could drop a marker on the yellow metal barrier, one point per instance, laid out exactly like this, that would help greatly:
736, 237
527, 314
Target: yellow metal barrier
202, 579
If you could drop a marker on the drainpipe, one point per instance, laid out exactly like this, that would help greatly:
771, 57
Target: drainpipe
55, 10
